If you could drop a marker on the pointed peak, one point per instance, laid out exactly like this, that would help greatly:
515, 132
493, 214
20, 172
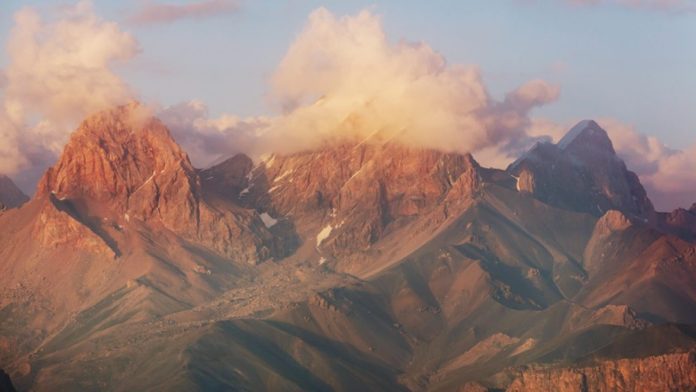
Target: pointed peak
10, 195
586, 133
122, 121
119, 155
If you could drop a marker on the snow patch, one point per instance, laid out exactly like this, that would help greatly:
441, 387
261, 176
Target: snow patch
322, 260
126, 217
146, 181
517, 183
268, 220
324, 234
355, 174
283, 175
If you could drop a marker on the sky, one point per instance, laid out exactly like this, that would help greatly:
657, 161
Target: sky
221, 72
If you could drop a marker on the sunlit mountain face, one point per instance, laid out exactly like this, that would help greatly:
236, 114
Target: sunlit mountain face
390, 223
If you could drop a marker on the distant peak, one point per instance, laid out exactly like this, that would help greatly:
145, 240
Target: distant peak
586, 133
10, 195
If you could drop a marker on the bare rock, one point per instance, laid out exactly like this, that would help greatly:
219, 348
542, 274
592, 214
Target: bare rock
583, 173
671, 372
122, 164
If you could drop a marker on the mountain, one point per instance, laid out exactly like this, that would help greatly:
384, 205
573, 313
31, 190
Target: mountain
346, 199
365, 263
582, 173
10, 195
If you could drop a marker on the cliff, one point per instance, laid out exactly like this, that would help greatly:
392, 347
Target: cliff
670, 372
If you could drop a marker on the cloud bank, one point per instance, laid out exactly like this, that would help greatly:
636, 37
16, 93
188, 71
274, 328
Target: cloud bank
210, 140
342, 79
153, 12
59, 71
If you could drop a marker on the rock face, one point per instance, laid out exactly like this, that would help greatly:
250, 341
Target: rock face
122, 165
671, 372
10, 195
353, 193
681, 222
582, 173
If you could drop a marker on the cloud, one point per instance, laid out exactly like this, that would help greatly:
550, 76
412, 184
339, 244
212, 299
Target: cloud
342, 79
58, 72
153, 12
210, 140
659, 5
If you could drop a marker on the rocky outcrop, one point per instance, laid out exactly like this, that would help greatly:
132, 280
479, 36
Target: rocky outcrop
123, 163
681, 222
123, 166
583, 173
10, 195
353, 193
671, 372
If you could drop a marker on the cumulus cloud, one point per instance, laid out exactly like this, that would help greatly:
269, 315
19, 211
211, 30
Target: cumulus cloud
209, 140
59, 71
342, 79
154, 12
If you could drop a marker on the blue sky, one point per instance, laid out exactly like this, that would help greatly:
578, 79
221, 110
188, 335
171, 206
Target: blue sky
633, 64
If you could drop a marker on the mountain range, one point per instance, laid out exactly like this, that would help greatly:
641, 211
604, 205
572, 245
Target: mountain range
363, 264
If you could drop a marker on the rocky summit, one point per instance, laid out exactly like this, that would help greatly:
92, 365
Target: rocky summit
582, 173
365, 265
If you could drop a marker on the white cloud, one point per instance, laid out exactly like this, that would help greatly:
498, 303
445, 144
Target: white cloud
209, 140
59, 71
343, 79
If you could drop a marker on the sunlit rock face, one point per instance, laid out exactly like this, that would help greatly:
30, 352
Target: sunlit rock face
122, 165
671, 372
357, 192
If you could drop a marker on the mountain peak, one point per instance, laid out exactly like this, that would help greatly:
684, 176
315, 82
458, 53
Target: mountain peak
125, 160
586, 133
122, 167
582, 172
10, 195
